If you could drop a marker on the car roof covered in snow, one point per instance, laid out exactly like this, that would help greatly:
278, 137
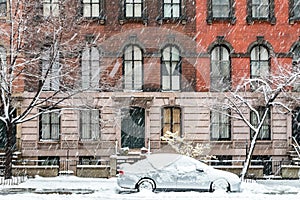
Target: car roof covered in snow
155, 162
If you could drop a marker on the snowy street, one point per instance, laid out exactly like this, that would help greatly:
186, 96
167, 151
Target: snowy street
70, 187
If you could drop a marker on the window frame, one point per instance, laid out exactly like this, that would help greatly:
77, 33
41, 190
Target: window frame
182, 13
52, 8
101, 16
221, 125
123, 18
171, 122
267, 124
210, 15
220, 63
133, 61
271, 14
91, 122
171, 61
292, 17
92, 68
52, 136
134, 4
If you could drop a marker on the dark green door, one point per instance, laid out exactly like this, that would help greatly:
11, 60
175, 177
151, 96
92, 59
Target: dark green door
133, 128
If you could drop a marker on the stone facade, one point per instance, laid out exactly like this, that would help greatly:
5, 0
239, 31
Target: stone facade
194, 33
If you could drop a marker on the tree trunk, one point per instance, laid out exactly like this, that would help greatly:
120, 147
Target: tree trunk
8, 151
249, 156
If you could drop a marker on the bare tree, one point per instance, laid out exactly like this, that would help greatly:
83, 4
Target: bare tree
258, 95
43, 52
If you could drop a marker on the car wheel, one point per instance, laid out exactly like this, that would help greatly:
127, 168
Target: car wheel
146, 185
220, 185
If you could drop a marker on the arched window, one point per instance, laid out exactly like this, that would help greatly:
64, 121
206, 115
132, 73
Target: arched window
133, 68
220, 69
171, 68
90, 68
259, 62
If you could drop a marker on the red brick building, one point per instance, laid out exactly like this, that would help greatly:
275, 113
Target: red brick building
148, 67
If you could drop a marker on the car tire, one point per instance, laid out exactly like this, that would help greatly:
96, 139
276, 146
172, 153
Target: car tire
146, 185
220, 185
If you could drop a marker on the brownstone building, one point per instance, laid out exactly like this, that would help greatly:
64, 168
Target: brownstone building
147, 67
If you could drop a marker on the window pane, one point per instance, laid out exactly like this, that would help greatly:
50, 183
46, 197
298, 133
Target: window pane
221, 8
128, 75
55, 10
296, 8
138, 78
129, 10
176, 11
95, 10
46, 10
87, 10
138, 10
167, 10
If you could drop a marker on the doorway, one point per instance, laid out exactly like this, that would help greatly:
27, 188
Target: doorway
133, 127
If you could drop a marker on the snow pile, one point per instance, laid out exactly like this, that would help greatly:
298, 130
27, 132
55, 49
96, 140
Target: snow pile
73, 188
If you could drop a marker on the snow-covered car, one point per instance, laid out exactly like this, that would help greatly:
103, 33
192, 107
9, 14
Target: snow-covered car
175, 172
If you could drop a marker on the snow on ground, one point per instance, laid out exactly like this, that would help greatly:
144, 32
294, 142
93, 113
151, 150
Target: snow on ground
73, 188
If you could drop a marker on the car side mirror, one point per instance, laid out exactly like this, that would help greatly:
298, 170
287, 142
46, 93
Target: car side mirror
200, 170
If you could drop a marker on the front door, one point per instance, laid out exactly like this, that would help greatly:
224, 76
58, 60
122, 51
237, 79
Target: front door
133, 128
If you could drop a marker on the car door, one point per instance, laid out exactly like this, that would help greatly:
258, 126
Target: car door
190, 176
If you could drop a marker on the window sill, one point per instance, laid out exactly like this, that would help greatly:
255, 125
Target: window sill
101, 19
43, 141
251, 20
172, 20
293, 20
125, 20
211, 20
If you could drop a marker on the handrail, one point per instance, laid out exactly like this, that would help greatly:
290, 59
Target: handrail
296, 146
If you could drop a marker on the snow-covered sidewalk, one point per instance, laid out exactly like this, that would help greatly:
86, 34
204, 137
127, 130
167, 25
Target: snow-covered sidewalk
71, 187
